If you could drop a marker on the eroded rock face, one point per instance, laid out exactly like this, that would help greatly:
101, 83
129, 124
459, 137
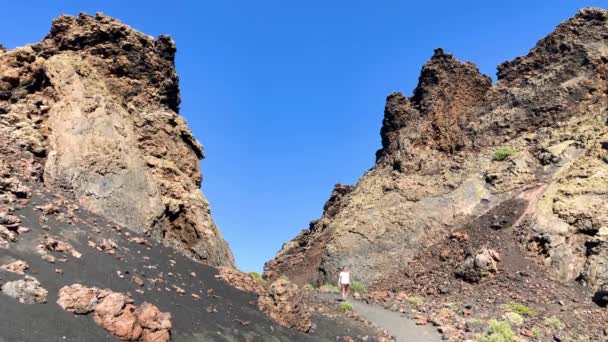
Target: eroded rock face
282, 300
240, 280
437, 169
92, 110
285, 305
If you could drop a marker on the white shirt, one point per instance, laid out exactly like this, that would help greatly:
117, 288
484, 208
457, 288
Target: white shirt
344, 278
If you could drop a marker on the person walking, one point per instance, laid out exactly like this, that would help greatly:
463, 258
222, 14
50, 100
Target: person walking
344, 282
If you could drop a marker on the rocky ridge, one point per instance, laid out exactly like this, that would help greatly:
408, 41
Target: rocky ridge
442, 165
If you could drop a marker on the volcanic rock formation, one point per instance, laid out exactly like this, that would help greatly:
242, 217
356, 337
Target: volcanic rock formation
460, 146
99, 178
92, 111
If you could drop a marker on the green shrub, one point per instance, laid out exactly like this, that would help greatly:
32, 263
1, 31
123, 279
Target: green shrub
346, 306
521, 309
553, 323
329, 288
258, 277
308, 287
503, 153
537, 333
416, 300
499, 331
514, 318
474, 320
358, 287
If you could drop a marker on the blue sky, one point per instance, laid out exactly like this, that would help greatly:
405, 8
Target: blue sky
287, 96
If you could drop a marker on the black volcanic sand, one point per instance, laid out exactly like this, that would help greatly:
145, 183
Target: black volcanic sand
222, 313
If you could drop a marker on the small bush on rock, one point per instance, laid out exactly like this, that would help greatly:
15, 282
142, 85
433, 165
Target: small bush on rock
346, 306
521, 309
514, 318
258, 277
537, 333
553, 323
329, 288
358, 287
499, 331
414, 300
503, 153
308, 287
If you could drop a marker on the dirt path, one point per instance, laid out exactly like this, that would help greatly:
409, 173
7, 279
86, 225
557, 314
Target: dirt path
402, 328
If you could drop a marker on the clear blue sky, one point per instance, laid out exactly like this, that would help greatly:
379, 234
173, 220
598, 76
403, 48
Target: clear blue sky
287, 96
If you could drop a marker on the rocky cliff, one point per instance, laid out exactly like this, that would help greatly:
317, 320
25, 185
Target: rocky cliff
101, 211
91, 112
460, 146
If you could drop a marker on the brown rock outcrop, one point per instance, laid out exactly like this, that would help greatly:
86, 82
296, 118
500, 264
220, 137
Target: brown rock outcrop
438, 170
27, 290
240, 280
285, 305
78, 299
117, 314
18, 267
480, 265
282, 300
156, 325
92, 110
54, 244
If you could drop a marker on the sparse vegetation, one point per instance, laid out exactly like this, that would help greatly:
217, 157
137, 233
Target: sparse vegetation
346, 306
499, 331
329, 288
308, 287
537, 333
521, 309
358, 287
503, 153
474, 320
284, 277
455, 305
258, 277
416, 300
514, 318
553, 323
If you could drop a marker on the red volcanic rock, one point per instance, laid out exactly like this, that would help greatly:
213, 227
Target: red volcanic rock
18, 267
285, 304
78, 299
117, 313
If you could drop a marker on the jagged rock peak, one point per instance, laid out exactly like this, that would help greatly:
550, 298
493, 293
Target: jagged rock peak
438, 53
91, 112
137, 56
436, 114
447, 86
574, 44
